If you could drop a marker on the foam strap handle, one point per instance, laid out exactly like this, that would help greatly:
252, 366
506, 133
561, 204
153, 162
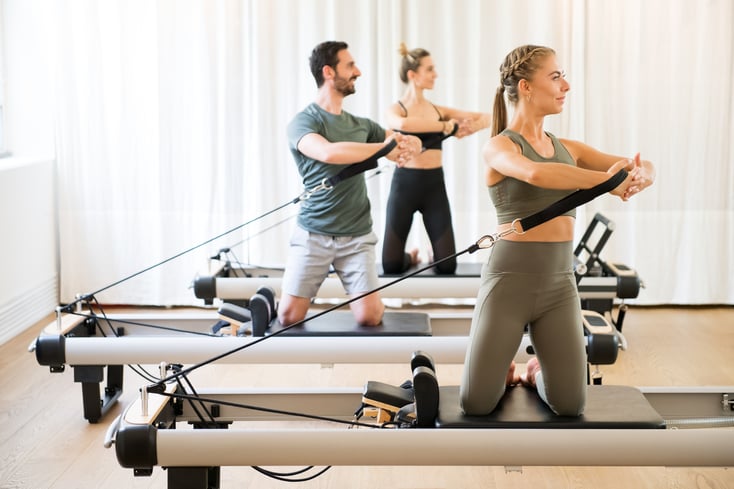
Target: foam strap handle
440, 138
571, 201
363, 166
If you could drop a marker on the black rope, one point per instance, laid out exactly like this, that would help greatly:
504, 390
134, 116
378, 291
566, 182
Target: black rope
276, 476
347, 172
556, 209
137, 323
378, 171
471, 249
579, 197
178, 255
281, 412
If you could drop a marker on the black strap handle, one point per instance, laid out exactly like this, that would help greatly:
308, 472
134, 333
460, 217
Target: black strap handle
573, 200
363, 166
441, 138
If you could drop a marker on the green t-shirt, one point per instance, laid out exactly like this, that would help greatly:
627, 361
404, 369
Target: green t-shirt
344, 210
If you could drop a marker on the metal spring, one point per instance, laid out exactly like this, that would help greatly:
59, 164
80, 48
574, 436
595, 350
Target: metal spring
709, 422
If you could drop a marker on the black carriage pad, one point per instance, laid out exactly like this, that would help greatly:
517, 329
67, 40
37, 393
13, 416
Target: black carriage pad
462, 270
342, 323
607, 407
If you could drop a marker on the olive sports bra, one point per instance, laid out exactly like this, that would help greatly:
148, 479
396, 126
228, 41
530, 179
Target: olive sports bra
515, 199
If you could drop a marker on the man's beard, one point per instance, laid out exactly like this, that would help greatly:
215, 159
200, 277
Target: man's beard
345, 86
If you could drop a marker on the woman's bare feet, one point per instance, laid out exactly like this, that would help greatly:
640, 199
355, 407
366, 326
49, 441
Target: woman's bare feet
532, 369
414, 260
512, 378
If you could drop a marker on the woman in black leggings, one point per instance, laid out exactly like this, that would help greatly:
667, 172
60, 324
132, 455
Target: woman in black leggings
419, 185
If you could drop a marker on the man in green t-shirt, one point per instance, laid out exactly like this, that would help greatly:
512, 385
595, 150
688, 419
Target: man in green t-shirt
335, 226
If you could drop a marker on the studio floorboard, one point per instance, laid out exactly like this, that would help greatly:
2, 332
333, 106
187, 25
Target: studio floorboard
46, 444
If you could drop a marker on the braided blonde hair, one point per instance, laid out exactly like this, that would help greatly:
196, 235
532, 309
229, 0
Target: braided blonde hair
520, 64
411, 60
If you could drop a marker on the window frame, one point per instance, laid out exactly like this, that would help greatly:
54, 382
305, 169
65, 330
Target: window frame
4, 151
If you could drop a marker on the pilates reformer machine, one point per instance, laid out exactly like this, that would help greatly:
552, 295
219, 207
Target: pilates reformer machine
417, 423
410, 420
96, 345
600, 283
77, 342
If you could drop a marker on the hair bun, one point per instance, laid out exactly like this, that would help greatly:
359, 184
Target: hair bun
403, 49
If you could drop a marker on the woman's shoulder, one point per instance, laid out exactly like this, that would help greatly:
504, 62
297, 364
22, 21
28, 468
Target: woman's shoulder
501, 142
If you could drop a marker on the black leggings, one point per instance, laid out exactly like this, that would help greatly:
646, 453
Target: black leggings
418, 190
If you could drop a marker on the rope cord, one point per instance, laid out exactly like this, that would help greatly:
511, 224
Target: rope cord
579, 197
556, 209
347, 172
197, 398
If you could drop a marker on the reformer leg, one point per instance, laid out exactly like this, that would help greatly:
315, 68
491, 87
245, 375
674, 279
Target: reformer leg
193, 477
90, 376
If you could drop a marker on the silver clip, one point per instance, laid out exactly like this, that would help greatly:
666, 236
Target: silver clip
514, 226
482, 242
488, 240
324, 185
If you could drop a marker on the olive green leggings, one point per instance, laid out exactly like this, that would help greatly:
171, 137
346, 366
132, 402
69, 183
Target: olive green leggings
527, 283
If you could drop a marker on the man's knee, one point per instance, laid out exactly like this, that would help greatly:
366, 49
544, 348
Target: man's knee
292, 309
369, 317
369, 312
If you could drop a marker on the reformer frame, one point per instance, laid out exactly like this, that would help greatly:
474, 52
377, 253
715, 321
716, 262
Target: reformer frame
599, 282
73, 340
145, 436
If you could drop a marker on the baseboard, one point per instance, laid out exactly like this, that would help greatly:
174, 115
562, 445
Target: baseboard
21, 312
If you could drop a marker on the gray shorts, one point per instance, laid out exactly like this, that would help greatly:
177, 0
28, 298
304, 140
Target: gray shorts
310, 256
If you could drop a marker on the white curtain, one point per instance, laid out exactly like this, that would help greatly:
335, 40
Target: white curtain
171, 119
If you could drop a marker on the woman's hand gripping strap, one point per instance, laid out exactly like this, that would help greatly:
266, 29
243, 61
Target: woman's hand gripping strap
571, 201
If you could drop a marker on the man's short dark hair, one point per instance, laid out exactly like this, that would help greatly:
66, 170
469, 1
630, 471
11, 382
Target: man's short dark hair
325, 54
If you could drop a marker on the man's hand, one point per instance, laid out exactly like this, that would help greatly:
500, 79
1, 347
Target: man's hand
408, 148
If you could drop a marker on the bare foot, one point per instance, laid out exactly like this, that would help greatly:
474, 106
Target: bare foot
512, 378
531, 371
414, 260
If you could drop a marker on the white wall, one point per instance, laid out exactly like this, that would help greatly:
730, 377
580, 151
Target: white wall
28, 278
28, 261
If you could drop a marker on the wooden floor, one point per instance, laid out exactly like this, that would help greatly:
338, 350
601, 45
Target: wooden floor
46, 443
